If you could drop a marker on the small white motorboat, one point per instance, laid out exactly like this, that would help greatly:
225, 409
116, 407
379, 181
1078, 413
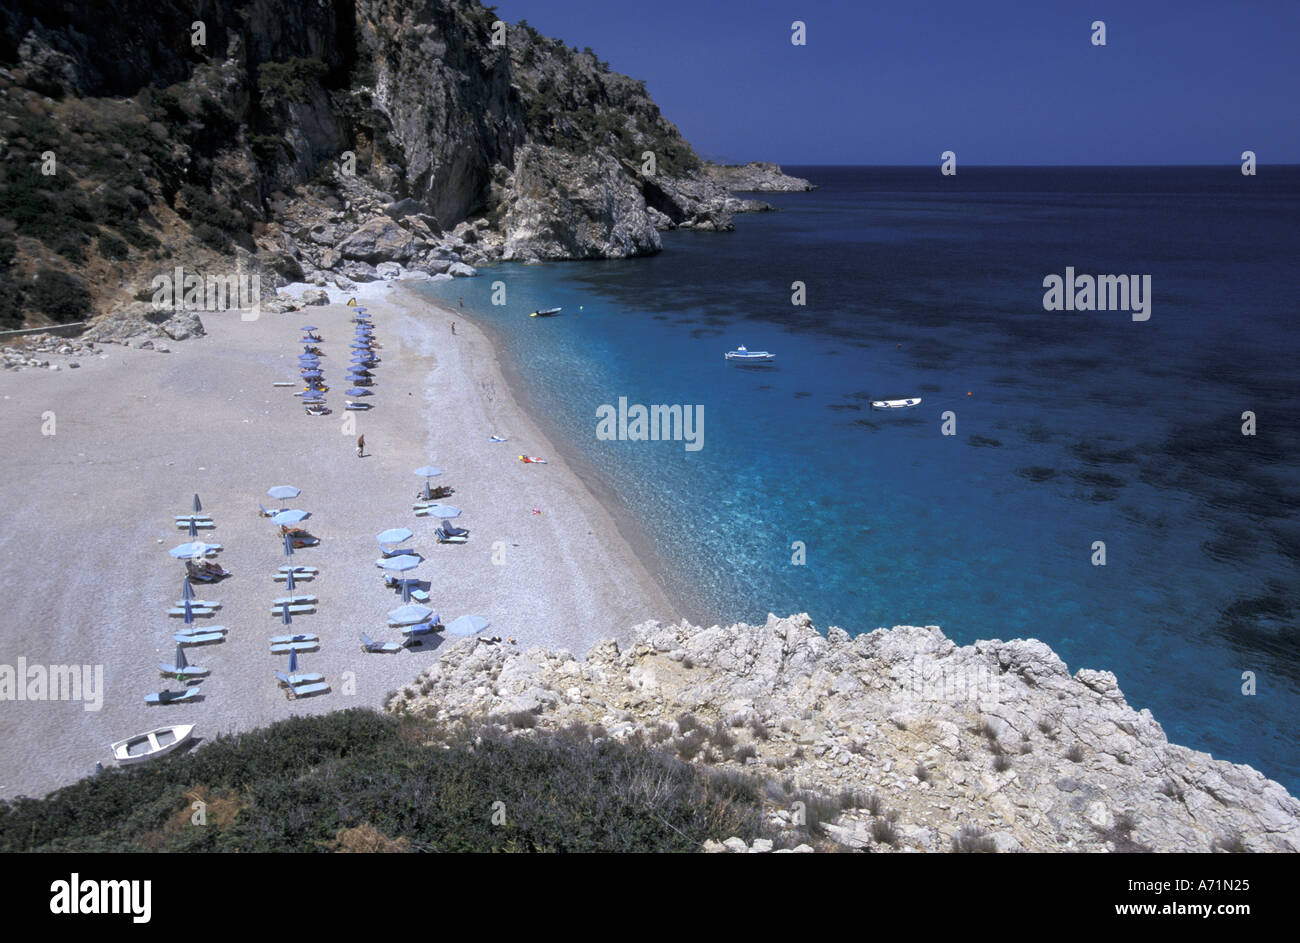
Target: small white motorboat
895, 403
146, 746
744, 355
545, 314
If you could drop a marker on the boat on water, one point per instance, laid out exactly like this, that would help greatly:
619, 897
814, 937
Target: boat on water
545, 314
744, 355
896, 403
146, 746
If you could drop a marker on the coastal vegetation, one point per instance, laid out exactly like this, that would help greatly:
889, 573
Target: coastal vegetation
361, 780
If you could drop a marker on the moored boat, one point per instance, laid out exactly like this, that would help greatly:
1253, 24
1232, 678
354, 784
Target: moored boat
896, 403
744, 355
545, 314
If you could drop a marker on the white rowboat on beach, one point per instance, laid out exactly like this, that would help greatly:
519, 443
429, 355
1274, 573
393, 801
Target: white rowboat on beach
146, 746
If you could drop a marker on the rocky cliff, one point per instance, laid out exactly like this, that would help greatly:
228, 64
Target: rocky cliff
318, 141
920, 744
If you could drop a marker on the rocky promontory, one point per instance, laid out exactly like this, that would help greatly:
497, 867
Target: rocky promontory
332, 143
918, 743
755, 177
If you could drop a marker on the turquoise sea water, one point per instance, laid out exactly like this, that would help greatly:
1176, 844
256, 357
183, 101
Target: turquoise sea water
1072, 427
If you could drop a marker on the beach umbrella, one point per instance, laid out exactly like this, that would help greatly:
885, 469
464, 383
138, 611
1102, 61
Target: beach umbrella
283, 492
410, 614
189, 551
309, 327
193, 529
289, 583
288, 545
291, 516
426, 472
180, 661
293, 660
467, 625
187, 589
189, 612
400, 563
443, 510
394, 535
285, 618
197, 506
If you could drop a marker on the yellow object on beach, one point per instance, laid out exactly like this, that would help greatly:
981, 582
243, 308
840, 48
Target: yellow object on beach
352, 302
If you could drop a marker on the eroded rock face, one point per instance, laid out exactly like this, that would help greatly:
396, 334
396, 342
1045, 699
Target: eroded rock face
997, 737
563, 206
139, 321
378, 240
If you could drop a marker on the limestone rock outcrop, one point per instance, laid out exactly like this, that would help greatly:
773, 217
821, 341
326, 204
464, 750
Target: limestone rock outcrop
930, 745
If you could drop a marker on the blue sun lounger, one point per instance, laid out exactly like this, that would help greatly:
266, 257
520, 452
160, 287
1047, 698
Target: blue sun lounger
446, 538
189, 671
294, 610
307, 690
172, 697
294, 681
423, 628
379, 648
205, 636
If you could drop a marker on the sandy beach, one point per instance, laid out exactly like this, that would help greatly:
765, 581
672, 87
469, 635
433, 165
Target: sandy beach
89, 520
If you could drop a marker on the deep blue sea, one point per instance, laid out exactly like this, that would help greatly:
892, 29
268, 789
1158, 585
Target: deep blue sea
1072, 427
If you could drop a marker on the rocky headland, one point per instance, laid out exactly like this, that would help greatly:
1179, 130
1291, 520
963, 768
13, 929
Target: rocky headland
918, 744
328, 143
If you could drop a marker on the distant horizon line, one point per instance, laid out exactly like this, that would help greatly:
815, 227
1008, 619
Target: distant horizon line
935, 165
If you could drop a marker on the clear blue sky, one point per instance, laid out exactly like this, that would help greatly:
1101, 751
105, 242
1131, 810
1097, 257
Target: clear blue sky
998, 81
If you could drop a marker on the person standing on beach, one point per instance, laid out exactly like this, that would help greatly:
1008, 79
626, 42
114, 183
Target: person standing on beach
462, 302
453, 327
361, 445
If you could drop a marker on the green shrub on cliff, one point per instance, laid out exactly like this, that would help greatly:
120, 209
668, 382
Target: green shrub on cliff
59, 296
291, 81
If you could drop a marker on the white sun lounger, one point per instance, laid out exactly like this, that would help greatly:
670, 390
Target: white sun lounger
198, 525
295, 601
179, 611
198, 604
